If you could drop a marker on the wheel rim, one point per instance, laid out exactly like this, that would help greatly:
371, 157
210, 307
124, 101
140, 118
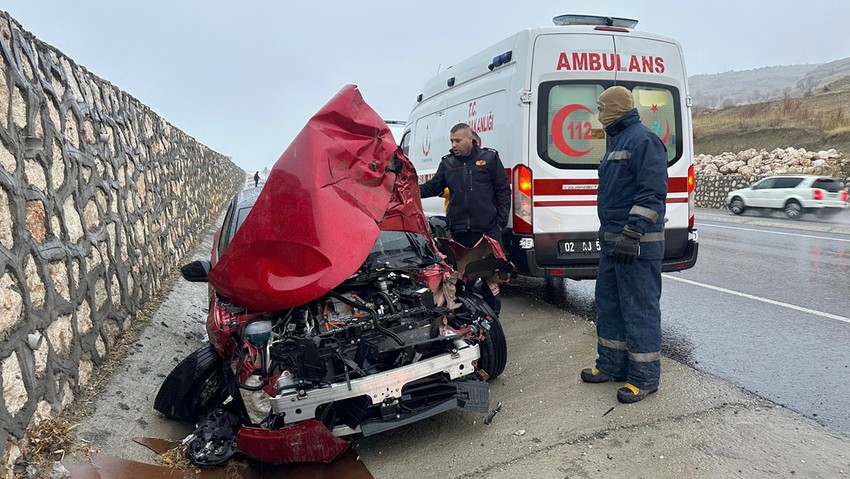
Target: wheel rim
210, 394
737, 207
792, 210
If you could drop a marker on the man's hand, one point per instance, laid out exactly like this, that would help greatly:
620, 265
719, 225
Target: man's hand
627, 248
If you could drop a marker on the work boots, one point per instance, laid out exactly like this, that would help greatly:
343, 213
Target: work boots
593, 375
630, 393
627, 394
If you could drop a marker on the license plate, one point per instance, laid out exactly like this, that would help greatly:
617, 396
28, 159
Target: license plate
579, 248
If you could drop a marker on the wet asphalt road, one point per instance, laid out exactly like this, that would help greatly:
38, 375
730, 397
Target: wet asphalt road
767, 308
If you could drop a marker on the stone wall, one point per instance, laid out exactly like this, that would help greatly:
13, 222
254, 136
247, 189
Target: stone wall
99, 200
710, 191
717, 175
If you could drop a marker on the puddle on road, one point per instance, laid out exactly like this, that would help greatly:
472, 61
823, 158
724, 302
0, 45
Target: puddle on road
104, 466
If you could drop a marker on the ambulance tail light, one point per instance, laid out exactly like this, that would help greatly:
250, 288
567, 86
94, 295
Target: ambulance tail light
691, 196
523, 199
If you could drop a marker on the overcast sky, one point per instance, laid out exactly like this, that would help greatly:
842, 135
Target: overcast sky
243, 77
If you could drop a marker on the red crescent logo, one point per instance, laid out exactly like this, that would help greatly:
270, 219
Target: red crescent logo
666, 135
426, 142
558, 130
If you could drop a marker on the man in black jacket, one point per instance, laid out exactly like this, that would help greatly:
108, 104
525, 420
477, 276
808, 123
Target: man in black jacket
480, 198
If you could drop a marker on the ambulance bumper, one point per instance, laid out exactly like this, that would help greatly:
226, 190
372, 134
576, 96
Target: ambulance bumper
528, 263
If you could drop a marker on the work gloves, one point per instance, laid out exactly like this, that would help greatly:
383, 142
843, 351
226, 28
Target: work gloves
627, 248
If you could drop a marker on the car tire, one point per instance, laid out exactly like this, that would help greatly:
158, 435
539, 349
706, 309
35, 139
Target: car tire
494, 347
793, 209
736, 206
195, 386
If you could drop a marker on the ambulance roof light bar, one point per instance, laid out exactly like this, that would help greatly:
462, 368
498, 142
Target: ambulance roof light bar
571, 19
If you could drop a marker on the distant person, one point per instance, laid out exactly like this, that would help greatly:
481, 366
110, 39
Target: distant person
631, 202
256, 179
480, 197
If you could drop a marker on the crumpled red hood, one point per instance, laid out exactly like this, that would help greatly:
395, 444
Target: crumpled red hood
317, 217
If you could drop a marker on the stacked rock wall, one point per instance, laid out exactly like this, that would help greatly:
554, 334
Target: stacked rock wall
99, 199
717, 175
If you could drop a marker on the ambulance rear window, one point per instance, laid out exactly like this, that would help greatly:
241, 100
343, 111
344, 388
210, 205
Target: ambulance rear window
571, 136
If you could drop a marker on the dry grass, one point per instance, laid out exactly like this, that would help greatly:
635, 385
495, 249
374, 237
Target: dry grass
843, 130
811, 114
176, 458
816, 122
50, 441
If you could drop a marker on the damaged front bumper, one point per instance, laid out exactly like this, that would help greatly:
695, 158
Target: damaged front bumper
309, 440
379, 388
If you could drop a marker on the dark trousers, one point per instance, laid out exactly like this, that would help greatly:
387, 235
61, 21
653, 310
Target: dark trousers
469, 239
628, 323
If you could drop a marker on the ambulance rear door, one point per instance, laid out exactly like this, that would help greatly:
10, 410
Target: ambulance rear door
567, 143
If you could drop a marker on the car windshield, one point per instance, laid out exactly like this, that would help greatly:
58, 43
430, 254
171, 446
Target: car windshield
401, 249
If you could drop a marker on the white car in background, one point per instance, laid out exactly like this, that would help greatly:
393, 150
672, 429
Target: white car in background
794, 195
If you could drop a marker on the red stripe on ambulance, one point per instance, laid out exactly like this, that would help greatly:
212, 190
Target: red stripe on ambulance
587, 186
553, 204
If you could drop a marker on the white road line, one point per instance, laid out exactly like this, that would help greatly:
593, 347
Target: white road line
773, 232
758, 298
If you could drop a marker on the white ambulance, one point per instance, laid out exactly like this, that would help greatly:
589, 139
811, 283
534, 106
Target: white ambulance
533, 97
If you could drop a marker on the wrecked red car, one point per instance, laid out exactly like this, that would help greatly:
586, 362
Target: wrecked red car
332, 310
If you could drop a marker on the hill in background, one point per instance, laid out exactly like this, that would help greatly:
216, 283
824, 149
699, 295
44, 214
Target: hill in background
763, 84
800, 106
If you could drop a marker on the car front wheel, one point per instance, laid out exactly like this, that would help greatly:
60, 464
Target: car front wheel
793, 210
493, 347
195, 386
737, 206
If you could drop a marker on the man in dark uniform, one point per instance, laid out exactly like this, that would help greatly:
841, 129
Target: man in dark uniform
632, 195
480, 198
